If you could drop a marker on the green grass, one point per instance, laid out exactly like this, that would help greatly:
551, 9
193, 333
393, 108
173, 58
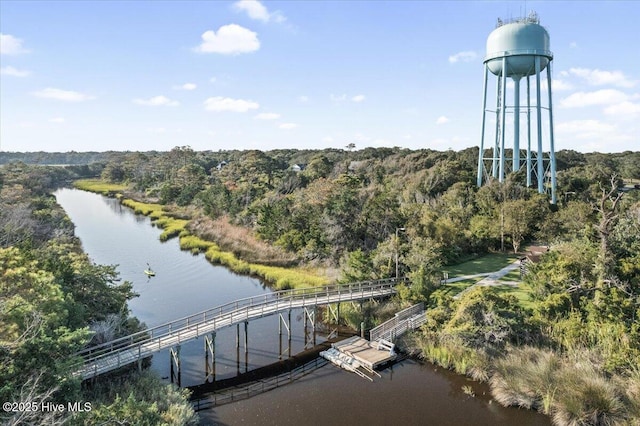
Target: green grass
195, 244
280, 278
451, 289
512, 276
99, 186
148, 209
521, 292
488, 263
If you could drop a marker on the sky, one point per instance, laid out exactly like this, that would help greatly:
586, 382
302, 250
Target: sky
217, 75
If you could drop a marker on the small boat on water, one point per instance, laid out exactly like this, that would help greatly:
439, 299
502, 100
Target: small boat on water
149, 271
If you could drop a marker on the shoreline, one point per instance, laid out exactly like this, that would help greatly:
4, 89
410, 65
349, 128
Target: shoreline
174, 224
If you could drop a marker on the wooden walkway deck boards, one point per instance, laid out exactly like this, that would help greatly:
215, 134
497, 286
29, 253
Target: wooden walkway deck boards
363, 351
120, 352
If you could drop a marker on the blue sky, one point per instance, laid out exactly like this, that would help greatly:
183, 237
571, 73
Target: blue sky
143, 75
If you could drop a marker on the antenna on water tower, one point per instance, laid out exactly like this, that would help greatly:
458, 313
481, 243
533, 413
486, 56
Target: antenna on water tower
518, 48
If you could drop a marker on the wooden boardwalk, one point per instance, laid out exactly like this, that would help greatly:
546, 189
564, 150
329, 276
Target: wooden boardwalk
133, 348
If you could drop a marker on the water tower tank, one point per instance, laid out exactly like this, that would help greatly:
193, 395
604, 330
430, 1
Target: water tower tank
518, 49
520, 41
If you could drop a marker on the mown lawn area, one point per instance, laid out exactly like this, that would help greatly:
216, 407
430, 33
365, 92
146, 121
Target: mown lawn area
521, 292
512, 276
488, 263
451, 289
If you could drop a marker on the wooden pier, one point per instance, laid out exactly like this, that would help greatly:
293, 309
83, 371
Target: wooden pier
120, 352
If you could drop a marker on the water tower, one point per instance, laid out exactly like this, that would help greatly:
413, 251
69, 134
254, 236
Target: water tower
516, 49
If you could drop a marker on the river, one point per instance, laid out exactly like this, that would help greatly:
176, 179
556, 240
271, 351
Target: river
408, 393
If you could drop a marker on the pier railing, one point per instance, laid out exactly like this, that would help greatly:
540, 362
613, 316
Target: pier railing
407, 319
119, 352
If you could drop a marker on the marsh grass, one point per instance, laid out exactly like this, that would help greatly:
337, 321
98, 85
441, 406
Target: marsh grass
232, 243
240, 241
153, 210
99, 186
280, 278
448, 352
571, 389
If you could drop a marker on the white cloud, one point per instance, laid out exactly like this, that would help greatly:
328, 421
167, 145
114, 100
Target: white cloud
288, 126
599, 97
14, 72
573, 44
219, 104
156, 101
303, 99
594, 135
466, 56
600, 78
157, 130
442, 120
267, 116
557, 85
624, 109
62, 95
257, 11
186, 86
343, 97
58, 120
10, 45
584, 129
230, 39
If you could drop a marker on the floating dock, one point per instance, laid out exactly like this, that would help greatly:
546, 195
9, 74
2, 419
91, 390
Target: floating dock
369, 354
360, 356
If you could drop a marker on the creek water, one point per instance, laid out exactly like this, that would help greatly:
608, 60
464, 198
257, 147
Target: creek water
408, 393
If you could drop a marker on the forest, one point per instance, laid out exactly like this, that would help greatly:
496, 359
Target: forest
565, 342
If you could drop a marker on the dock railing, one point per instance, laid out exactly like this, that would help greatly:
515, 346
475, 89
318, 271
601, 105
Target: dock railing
407, 319
144, 343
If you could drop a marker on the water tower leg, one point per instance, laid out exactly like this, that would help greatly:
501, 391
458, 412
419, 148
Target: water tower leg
516, 123
539, 123
494, 163
503, 112
484, 117
528, 132
552, 152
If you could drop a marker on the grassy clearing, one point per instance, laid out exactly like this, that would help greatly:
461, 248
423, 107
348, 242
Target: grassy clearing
521, 292
99, 186
451, 289
512, 276
488, 263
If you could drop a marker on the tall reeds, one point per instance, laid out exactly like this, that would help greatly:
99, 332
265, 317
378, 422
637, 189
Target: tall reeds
571, 389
